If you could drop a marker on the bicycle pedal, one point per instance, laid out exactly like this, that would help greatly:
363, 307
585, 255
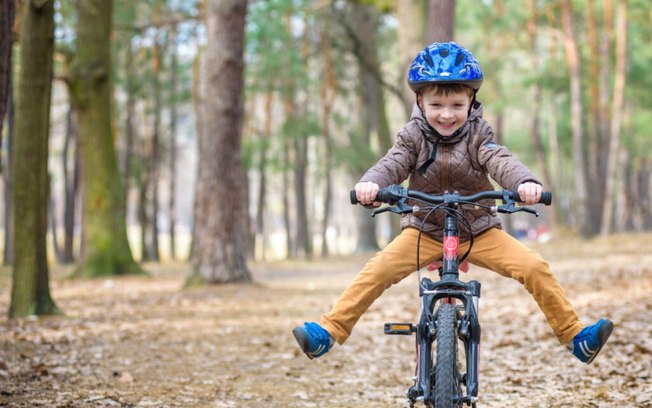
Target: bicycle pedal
399, 328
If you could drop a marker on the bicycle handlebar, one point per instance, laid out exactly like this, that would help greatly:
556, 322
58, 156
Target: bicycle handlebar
393, 193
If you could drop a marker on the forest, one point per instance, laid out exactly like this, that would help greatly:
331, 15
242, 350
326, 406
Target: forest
164, 162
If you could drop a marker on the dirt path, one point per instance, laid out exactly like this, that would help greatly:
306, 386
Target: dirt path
142, 342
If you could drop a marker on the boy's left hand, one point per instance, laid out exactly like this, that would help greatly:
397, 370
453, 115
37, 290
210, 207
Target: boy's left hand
530, 193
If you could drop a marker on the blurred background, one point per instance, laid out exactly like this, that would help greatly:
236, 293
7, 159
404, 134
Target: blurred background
324, 85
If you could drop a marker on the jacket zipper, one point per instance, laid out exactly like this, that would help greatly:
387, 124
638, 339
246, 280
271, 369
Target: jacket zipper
445, 168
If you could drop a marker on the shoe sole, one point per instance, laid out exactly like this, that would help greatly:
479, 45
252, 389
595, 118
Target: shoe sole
302, 340
603, 334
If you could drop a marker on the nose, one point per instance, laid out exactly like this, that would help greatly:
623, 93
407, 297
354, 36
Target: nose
447, 112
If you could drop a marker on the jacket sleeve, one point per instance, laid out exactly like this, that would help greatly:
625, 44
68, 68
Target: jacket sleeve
397, 164
501, 165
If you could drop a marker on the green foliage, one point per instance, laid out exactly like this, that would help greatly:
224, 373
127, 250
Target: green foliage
273, 46
357, 155
301, 127
386, 6
639, 139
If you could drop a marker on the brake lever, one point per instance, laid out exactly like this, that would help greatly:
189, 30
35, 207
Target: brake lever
510, 208
399, 208
528, 210
380, 211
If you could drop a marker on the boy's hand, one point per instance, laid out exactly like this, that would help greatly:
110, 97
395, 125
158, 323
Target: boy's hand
366, 193
530, 193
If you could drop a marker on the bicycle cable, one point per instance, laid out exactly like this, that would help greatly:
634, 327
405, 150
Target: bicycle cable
459, 216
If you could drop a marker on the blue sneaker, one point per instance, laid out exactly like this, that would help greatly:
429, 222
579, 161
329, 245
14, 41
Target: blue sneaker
588, 343
313, 339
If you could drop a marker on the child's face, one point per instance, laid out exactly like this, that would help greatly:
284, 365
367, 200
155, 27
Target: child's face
445, 113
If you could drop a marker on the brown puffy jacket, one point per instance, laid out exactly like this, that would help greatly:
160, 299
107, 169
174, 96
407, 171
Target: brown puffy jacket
462, 163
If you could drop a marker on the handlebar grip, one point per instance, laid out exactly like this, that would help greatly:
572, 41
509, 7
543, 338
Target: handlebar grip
354, 198
546, 198
385, 196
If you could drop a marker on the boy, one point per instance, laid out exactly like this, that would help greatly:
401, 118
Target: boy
447, 146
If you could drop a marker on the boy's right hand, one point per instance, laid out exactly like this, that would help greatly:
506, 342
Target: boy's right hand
366, 193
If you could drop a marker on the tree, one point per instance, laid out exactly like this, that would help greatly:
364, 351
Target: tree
411, 40
150, 199
535, 126
7, 17
616, 119
441, 22
577, 108
105, 243
71, 177
172, 165
7, 13
221, 220
30, 293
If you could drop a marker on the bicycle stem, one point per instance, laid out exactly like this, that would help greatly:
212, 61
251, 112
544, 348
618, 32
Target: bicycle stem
450, 247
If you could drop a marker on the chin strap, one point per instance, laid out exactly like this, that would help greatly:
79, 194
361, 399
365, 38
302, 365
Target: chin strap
473, 100
422, 169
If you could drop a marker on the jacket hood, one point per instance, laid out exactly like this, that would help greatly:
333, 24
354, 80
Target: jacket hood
432, 135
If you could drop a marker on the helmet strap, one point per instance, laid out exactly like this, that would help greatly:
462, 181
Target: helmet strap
473, 100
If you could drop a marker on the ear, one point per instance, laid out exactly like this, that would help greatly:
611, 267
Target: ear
420, 101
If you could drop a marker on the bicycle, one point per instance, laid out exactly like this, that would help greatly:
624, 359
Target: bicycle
449, 309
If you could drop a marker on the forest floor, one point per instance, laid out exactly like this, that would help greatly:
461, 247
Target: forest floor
145, 342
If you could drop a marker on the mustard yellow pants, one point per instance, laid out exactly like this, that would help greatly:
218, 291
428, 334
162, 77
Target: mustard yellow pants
494, 249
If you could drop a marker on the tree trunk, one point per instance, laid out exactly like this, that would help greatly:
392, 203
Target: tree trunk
262, 171
535, 126
197, 103
579, 154
304, 235
289, 162
623, 205
52, 218
328, 93
143, 216
154, 156
644, 182
106, 248
412, 19
7, 16
596, 148
631, 195
605, 87
130, 113
616, 118
373, 121
173, 145
8, 182
221, 217
30, 294
290, 247
594, 92
598, 184
557, 174
70, 186
441, 22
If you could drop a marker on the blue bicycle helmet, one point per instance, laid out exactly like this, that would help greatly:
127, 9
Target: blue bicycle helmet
444, 63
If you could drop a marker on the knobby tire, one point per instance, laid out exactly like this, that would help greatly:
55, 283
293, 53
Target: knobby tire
447, 389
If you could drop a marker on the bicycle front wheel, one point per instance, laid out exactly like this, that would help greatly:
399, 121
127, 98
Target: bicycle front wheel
447, 387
